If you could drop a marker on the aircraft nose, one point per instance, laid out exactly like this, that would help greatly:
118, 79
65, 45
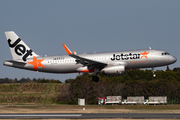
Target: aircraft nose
174, 59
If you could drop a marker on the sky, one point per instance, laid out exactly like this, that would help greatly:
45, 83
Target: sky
87, 26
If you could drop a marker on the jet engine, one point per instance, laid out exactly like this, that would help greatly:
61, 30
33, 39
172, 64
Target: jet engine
114, 70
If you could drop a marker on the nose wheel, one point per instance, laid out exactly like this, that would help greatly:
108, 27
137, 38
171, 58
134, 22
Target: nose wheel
154, 75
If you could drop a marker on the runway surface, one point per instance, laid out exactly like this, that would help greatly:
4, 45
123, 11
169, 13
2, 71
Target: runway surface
92, 115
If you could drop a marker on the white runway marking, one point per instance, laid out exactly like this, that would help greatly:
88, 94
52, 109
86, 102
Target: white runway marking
65, 115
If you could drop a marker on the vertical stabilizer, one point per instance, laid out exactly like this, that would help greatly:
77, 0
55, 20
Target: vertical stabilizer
19, 50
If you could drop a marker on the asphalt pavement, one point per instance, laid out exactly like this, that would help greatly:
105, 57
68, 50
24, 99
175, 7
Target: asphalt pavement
93, 115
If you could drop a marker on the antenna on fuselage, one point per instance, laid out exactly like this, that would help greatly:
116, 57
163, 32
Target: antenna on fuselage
150, 48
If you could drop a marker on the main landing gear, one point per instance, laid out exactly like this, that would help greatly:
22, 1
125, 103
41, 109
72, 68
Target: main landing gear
95, 78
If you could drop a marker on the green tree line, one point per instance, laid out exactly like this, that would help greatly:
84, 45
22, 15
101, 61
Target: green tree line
133, 83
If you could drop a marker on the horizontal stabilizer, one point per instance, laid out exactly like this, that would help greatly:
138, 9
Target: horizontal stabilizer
17, 62
13, 63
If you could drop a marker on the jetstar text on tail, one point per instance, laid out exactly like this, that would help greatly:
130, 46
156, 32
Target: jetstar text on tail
20, 49
129, 56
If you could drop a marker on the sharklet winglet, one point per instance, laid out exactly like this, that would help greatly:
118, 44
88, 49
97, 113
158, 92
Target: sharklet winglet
67, 49
74, 52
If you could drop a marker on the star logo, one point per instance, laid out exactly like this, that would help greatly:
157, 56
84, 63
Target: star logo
36, 63
144, 54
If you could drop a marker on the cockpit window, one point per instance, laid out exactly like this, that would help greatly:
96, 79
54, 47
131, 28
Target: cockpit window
166, 53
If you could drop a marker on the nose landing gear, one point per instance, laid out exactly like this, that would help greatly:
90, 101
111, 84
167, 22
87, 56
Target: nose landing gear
154, 75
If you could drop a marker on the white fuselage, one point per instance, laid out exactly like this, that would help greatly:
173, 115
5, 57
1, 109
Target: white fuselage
130, 59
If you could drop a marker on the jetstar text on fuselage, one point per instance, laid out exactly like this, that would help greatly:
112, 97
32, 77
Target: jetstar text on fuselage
125, 56
129, 56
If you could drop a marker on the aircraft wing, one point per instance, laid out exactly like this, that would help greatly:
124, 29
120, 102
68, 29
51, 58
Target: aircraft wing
84, 61
88, 62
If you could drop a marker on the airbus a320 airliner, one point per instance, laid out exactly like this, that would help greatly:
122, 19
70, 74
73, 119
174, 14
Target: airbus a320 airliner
109, 63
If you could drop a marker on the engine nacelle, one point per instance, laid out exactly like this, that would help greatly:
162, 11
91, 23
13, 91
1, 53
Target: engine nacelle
114, 70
